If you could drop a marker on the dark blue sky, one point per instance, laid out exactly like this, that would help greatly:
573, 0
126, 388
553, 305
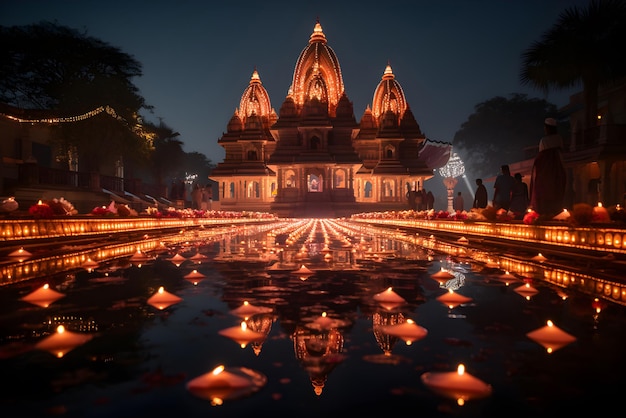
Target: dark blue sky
198, 56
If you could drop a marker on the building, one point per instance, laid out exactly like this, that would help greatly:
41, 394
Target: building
313, 158
595, 157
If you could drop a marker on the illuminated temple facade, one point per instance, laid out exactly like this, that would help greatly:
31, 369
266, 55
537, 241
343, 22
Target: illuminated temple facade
313, 158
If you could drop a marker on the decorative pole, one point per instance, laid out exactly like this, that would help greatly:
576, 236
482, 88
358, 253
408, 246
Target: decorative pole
453, 169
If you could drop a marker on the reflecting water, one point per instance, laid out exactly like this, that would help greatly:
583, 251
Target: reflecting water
333, 339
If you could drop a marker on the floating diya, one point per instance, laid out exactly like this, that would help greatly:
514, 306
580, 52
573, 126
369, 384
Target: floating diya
408, 331
539, 257
62, 341
507, 278
194, 277
90, 265
526, 290
324, 322
452, 299
463, 241
162, 299
43, 296
246, 310
177, 259
551, 337
198, 258
20, 254
303, 271
223, 384
442, 276
457, 385
139, 257
242, 335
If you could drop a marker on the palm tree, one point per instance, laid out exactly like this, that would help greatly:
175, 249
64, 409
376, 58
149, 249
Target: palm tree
585, 46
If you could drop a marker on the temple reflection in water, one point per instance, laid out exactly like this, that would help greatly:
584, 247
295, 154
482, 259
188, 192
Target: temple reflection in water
308, 317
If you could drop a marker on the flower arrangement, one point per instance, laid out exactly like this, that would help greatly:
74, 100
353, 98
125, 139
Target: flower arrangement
62, 207
51, 208
530, 217
114, 209
9, 205
582, 214
41, 210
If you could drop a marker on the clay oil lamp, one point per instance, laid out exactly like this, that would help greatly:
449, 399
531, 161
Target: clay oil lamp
242, 335
224, 384
389, 299
303, 272
442, 276
459, 385
194, 277
247, 310
451, 299
408, 331
20, 254
62, 341
162, 299
43, 296
551, 337
526, 290
90, 265
177, 260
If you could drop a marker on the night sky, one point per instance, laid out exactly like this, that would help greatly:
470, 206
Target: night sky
198, 56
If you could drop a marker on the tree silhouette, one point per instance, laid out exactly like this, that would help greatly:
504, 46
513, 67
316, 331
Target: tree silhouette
499, 131
585, 46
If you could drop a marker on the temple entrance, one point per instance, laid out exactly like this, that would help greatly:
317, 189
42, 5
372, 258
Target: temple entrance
314, 183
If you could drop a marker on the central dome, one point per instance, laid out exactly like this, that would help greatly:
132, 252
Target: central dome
317, 74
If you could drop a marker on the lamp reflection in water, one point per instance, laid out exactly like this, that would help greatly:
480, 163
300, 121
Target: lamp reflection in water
386, 341
224, 384
318, 352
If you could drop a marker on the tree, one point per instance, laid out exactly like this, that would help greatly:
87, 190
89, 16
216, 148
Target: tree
584, 46
498, 132
197, 164
51, 67
167, 156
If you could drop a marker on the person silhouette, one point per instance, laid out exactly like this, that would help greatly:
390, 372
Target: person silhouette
480, 197
503, 188
548, 176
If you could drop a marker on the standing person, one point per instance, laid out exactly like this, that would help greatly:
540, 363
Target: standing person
196, 196
480, 197
503, 188
548, 176
459, 202
519, 197
430, 200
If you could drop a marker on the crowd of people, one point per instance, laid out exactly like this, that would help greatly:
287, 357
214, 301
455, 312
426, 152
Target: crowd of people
546, 193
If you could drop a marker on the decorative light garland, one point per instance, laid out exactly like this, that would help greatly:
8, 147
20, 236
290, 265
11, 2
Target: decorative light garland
77, 118
138, 128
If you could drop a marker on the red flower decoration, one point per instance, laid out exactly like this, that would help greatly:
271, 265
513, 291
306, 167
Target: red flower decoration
530, 217
41, 210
